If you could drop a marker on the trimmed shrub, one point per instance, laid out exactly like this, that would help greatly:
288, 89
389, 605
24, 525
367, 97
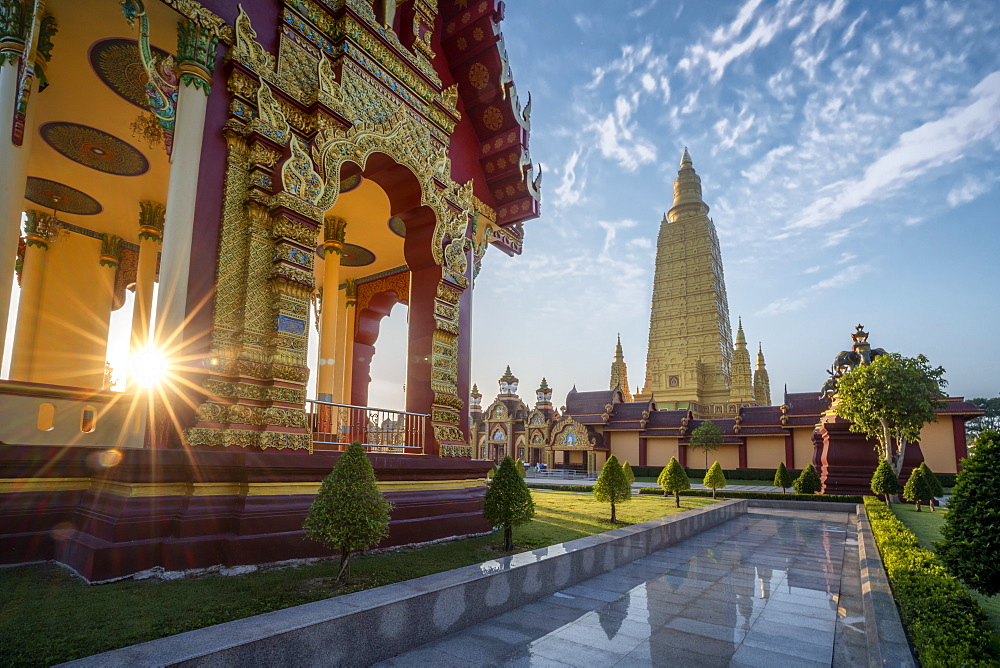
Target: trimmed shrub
770, 496
508, 501
714, 479
945, 623
782, 478
808, 481
884, 480
612, 486
673, 479
350, 512
519, 465
917, 490
969, 544
627, 470
936, 488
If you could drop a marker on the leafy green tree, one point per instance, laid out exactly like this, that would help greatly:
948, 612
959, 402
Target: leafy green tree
508, 501
612, 486
520, 468
782, 478
674, 480
971, 531
808, 481
714, 478
707, 438
350, 512
980, 424
627, 470
884, 481
917, 490
890, 400
933, 482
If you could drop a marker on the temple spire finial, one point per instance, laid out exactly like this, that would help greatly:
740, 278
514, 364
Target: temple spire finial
686, 158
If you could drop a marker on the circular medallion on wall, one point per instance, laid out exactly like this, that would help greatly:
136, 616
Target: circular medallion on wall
62, 198
356, 256
118, 64
94, 148
397, 226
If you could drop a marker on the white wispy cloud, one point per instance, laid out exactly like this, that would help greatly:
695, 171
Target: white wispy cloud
568, 192
931, 145
641, 11
970, 188
811, 295
619, 139
611, 229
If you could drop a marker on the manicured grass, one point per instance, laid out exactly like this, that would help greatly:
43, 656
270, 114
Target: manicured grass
698, 481
927, 528
48, 616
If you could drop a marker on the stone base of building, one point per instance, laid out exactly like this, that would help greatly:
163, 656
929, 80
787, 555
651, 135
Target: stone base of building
846, 460
110, 514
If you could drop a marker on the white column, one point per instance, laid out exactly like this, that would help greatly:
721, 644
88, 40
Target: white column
14, 160
182, 191
150, 238
22, 362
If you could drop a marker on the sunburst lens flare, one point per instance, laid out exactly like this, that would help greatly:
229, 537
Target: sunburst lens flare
149, 367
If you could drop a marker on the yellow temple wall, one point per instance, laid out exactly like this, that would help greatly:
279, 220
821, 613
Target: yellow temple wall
660, 450
938, 445
803, 446
728, 457
625, 446
765, 452
71, 344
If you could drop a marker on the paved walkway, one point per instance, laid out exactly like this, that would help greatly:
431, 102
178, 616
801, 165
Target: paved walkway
765, 589
543, 480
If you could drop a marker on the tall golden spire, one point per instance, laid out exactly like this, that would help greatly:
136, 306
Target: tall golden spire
741, 384
761, 382
690, 340
619, 372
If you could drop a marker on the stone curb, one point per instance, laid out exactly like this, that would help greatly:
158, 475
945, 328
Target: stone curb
366, 627
884, 634
828, 506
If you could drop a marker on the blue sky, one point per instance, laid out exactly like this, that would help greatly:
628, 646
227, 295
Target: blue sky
848, 151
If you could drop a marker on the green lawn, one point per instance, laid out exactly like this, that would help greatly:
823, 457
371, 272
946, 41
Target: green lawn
927, 528
48, 616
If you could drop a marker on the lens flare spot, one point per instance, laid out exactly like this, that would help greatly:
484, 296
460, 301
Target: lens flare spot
109, 458
62, 531
149, 366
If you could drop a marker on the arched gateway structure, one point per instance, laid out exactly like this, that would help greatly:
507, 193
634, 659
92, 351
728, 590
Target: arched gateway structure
291, 163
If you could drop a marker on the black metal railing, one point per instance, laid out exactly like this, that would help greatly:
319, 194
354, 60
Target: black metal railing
378, 429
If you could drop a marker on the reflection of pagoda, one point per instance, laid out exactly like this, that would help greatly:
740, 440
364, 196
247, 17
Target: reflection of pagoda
691, 361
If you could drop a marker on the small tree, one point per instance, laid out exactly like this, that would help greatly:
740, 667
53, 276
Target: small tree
715, 478
917, 489
890, 400
612, 486
508, 501
782, 478
674, 480
808, 481
968, 548
519, 466
884, 481
627, 470
935, 484
706, 438
349, 513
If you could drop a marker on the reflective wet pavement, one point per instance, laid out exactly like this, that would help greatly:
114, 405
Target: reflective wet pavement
761, 590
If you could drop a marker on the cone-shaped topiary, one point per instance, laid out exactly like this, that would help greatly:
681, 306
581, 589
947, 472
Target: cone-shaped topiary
971, 530
917, 490
521, 471
808, 481
674, 480
714, 478
349, 513
935, 484
508, 501
627, 470
884, 481
782, 478
612, 486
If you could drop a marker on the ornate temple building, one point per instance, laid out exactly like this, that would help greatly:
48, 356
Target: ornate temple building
235, 175
691, 361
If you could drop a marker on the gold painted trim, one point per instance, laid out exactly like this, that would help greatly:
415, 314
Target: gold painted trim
145, 490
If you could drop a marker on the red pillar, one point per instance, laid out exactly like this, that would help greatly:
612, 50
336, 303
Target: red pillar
419, 395
682, 454
642, 452
789, 450
961, 447
743, 453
